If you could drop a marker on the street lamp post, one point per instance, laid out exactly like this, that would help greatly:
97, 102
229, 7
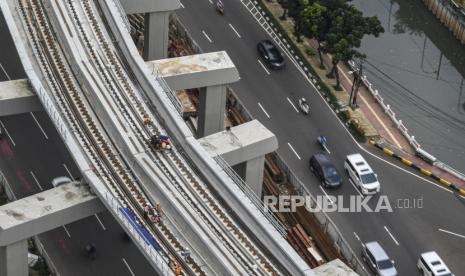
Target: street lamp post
358, 73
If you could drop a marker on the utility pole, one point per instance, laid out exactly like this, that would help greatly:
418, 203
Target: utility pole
358, 73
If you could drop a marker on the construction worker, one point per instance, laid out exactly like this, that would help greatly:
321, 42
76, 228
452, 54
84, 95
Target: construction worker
177, 269
186, 253
147, 120
147, 209
155, 141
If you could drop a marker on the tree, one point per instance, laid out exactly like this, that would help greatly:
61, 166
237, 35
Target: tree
338, 28
313, 24
285, 5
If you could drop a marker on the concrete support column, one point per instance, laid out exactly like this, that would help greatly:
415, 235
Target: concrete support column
13, 259
212, 101
156, 35
251, 172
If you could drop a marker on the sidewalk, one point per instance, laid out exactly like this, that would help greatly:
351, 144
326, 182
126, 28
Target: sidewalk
375, 122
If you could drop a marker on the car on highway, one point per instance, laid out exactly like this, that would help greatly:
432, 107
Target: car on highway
361, 174
324, 170
270, 53
60, 180
377, 259
430, 264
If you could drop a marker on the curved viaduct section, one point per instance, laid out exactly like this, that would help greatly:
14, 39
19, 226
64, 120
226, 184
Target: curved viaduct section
97, 90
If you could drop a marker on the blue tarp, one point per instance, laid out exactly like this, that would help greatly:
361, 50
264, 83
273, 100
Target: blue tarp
143, 232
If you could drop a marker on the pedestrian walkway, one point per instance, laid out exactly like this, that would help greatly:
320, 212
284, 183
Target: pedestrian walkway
370, 114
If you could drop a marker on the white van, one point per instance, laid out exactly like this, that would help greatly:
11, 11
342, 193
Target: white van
361, 174
431, 264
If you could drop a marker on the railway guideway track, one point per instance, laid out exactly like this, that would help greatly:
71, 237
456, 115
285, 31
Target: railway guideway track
94, 142
192, 191
107, 164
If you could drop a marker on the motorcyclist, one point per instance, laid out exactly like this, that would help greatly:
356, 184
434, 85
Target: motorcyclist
219, 5
322, 140
91, 250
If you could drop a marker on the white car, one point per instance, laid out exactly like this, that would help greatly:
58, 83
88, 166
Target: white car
361, 174
60, 180
431, 264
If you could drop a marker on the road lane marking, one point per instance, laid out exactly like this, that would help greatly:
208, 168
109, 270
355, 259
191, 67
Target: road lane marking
326, 194
100, 222
357, 237
68, 171
392, 236
208, 38
67, 232
128, 267
182, 6
339, 120
452, 233
232, 27
263, 66
4, 71
37, 122
211, 2
355, 187
289, 144
289, 100
37, 181
8, 133
264, 111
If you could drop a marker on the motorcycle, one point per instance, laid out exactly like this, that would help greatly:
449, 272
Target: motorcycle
322, 141
91, 251
303, 106
219, 6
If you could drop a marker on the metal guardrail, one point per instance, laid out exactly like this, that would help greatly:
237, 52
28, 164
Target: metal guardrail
403, 129
251, 195
386, 108
325, 221
167, 89
123, 16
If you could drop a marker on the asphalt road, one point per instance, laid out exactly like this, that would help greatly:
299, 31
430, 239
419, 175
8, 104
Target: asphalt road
268, 95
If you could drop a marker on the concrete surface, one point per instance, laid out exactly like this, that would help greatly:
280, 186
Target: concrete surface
17, 97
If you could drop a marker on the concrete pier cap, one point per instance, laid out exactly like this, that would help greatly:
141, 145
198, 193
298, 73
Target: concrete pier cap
35, 214
210, 72
244, 147
17, 97
195, 71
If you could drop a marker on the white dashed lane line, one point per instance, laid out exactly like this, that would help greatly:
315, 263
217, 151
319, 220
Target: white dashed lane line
36, 181
452, 233
263, 66
68, 171
235, 31
391, 235
295, 108
293, 150
38, 124
100, 222
128, 267
264, 111
7, 133
208, 38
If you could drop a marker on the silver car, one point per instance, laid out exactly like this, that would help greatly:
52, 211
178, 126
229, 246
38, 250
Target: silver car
377, 259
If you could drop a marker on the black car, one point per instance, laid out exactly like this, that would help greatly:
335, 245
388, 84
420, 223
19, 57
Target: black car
270, 53
325, 171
